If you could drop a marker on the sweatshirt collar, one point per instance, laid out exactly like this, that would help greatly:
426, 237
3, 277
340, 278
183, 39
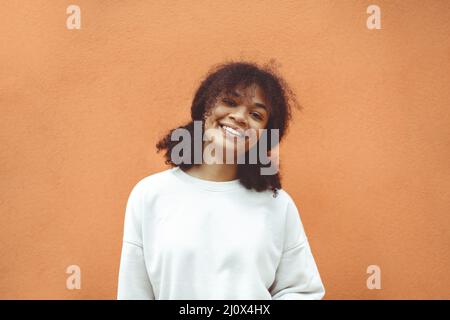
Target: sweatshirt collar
206, 184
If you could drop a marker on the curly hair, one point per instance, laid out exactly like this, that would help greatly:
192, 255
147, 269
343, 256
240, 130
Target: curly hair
223, 78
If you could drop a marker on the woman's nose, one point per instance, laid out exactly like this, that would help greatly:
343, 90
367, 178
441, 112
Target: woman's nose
239, 116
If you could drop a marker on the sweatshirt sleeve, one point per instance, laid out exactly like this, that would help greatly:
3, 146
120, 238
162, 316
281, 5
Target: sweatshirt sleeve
133, 282
297, 276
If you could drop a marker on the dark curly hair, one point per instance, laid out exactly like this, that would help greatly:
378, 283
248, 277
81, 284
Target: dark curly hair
223, 79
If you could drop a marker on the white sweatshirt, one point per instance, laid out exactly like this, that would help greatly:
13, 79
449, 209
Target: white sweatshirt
188, 238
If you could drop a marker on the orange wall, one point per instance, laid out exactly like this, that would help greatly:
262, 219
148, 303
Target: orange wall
367, 161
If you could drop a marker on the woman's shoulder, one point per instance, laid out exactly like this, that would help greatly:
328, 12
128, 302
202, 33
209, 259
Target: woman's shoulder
284, 196
154, 182
278, 199
279, 195
158, 176
285, 200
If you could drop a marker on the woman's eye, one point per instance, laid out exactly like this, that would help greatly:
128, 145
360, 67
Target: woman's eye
229, 102
257, 115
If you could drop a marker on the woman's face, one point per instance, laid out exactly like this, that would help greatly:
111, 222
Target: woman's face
244, 109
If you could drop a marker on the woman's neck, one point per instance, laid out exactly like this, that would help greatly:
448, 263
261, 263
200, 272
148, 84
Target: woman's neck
214, 172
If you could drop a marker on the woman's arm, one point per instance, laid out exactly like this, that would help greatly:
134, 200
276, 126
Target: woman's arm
134, 282
297, 276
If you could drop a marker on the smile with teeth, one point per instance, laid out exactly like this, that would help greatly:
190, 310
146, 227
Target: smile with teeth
231, 131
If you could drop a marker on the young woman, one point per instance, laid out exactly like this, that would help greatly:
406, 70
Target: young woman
220, 229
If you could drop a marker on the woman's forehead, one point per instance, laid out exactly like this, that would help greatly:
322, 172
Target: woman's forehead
253, 92
241, 90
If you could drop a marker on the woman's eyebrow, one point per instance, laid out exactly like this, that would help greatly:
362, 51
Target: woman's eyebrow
260, 105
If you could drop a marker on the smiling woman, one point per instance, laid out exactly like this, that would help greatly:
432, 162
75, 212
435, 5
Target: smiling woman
241, 96
222, 230
233, 116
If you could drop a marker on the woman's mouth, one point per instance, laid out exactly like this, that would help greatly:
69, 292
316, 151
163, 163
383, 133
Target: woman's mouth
231, 131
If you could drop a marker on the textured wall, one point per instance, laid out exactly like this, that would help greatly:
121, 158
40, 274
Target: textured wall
367, 161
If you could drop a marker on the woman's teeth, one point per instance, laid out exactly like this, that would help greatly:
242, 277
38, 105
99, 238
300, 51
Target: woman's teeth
232, 131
